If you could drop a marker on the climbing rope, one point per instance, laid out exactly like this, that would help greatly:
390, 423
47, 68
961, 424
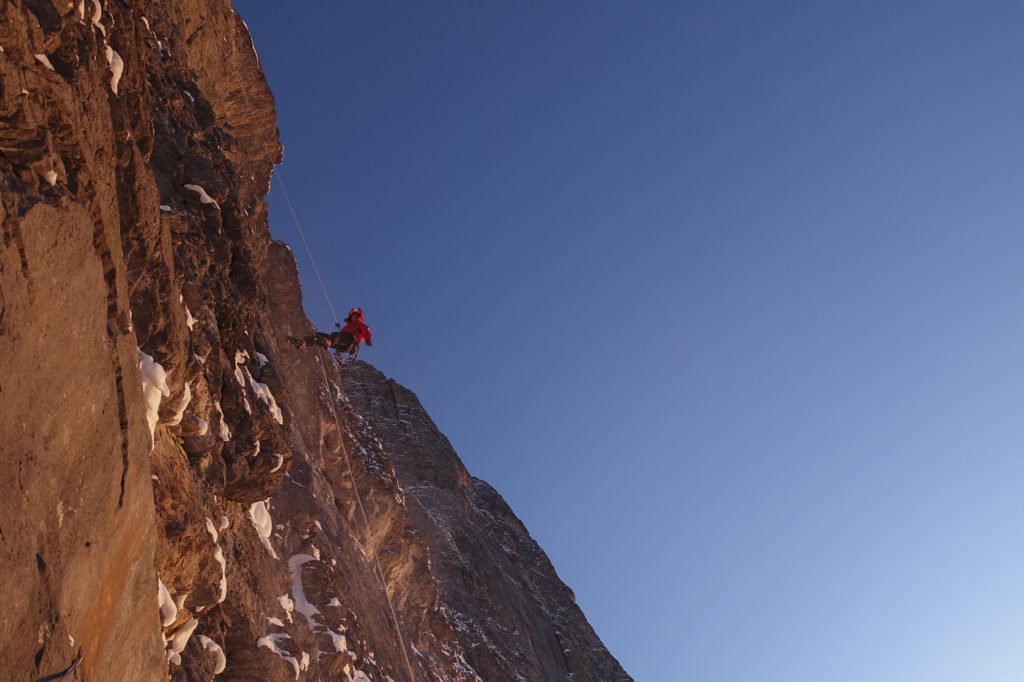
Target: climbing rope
337, 422
341, 438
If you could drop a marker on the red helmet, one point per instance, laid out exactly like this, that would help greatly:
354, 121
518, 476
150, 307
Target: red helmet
354, 312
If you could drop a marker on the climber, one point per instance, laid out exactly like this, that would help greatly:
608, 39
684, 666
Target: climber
344, 341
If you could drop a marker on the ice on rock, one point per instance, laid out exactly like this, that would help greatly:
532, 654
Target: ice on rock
264, 525
203, 196
214, 648
154, 388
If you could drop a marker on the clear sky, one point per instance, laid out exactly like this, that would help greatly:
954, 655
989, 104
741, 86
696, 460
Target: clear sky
723, 297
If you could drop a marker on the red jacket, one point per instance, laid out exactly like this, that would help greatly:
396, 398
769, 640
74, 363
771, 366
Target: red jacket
357, 328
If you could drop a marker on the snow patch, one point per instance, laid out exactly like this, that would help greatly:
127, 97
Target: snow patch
279, 461
214, 648
116, 68
179, 411
340, 644
51, 177
270, 642
189, 320
179, 640
168, 610
263, 393
223, 432
218, 556
275, 621
334, 602
264, 525
203, 196
154, 387
262, 359
97, 14
44, 60
303, 606
288, 605
212, 530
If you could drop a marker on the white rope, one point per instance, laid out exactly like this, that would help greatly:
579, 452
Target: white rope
295, 219
341, 437
337, 422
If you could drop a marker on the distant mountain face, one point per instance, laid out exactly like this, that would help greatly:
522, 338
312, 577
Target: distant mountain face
186, 494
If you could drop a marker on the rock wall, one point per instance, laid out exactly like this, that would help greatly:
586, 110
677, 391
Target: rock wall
187, 495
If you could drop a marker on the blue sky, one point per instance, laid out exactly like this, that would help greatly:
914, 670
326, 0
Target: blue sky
724, 298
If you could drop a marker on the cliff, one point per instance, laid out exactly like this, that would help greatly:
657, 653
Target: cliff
187, 495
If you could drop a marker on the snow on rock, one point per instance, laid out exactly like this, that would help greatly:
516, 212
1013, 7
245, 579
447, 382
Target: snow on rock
44, 60
203, 196
334, 602
51, 177
223, 432
264, 525
168, 610
295, 564
212, 530
154, 387
279, 460
189, 320
262, 359
288, 605
224, 523
179, 639
275, 621
179, 411
165, 208
218, 556
116, 68
204, 427
263, 393
304, 661
214, 648
97, 15
340, 644
270, 642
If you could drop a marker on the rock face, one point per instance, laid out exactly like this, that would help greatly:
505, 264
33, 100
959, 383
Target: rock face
187, 495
